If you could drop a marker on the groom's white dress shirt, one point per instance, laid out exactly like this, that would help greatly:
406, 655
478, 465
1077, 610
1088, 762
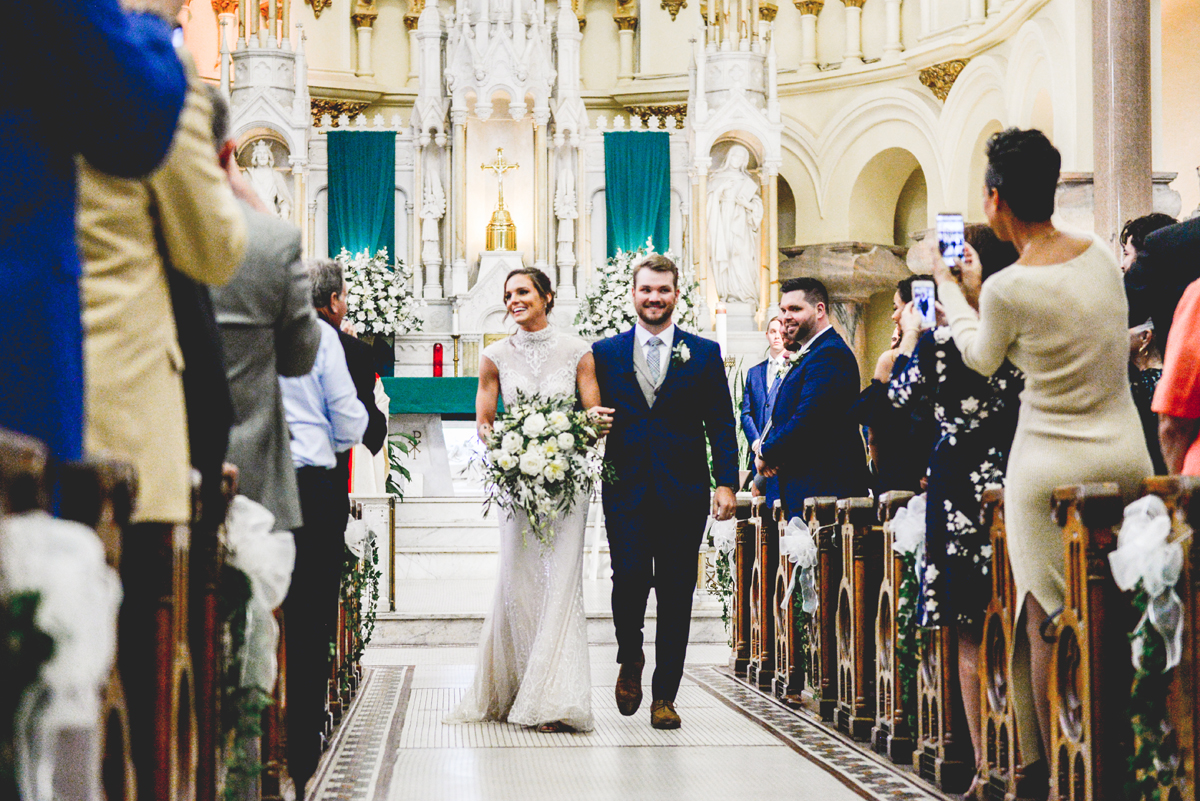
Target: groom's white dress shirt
667, 336
808, 345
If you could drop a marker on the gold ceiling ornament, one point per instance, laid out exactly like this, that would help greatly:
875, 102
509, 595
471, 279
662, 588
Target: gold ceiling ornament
854, 3
767, 12
673, 7
225, 6
940, 77
809, 7
580, 15
335, 109
626, 15
410, 22
318, 6
501, 231
413, 15
676, 110
364, 20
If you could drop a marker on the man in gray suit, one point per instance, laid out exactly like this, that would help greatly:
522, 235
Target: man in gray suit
269, 329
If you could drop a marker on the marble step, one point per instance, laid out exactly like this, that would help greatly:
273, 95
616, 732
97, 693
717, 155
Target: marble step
482, 537
450, 562
398, 629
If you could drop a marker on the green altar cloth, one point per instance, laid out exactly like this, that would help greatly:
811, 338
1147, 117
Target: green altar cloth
453, 398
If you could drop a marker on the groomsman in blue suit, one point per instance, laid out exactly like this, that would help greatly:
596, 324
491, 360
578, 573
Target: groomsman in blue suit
762, 385
669, 393
812, 444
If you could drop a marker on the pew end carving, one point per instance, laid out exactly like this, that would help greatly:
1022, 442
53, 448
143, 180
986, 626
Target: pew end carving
761, 670
820, 692
748, 513
1089, 732
857, 601
891, 735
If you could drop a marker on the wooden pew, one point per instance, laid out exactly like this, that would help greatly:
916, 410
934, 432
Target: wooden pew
790, 655
761, 670
892, 735
1001, 746
944, 756
273, 745
1182, 497
22, 474
749, 517
821, 685
858, 597
1090, 667
100, 494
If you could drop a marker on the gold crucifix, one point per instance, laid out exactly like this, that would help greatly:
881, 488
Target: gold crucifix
501, 232
499, 166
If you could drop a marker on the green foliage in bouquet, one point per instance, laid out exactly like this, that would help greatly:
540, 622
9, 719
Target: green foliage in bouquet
380, 298
541, 456
607, 310
23, 651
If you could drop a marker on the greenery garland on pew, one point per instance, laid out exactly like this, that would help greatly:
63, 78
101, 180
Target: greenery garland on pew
803, 621
1153, 764
360, 580
908, 640
241, 707
24, 648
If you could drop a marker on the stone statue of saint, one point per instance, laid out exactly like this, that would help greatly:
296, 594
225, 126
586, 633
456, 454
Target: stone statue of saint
566, 211
269, 185
433, 208
734, 216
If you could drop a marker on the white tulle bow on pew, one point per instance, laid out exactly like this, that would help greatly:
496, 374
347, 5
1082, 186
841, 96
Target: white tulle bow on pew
1146, 556
79, 596
797, 545
724, 539
908, 529
267, 557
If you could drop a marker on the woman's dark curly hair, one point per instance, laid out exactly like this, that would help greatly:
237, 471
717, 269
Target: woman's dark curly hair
1023, 168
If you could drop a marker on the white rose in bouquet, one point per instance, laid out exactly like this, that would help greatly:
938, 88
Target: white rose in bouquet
533, 461
535, 425
559, 421
555, 471
506, 461
512, 442
566, 442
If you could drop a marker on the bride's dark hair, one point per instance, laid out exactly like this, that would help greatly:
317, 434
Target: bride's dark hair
541, 282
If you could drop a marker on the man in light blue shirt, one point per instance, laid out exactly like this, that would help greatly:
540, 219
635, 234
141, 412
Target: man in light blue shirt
325, 417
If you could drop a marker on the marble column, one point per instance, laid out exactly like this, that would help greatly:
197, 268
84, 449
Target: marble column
540, 204
1121, 110
410, 24
626, 25
456, 276
853, 56
892, 46
700, 202
809, 9
363, 23
977, 12
773, 237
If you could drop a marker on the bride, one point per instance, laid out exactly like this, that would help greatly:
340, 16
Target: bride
532, 665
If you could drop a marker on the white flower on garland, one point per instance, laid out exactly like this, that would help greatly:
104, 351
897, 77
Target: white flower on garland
607, 310
379, 295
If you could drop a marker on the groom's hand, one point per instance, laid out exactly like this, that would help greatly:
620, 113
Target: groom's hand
763, 468
724, 503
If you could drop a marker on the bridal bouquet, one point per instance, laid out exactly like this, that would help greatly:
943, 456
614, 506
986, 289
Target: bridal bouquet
541, 456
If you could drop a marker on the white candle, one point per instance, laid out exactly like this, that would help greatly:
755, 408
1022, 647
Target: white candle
454, 324
722, 327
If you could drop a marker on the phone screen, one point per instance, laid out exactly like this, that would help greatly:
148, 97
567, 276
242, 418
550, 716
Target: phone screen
923, 298
951, 242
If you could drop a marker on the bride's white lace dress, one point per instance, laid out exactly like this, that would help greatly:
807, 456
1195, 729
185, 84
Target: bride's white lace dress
532, 664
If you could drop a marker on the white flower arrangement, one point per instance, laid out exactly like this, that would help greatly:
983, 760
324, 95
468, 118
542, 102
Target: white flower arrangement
379, 295
541, 456
607, 310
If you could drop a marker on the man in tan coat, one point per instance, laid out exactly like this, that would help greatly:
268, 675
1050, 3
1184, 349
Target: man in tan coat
183, 215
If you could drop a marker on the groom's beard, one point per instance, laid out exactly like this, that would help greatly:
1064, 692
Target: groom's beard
655, 315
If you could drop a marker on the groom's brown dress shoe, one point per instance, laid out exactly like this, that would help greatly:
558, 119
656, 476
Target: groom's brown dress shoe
629, 687
663, 715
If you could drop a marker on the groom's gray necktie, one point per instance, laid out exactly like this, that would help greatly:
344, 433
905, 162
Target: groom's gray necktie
652, 359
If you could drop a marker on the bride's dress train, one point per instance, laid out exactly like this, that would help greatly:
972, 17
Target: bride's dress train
532, 664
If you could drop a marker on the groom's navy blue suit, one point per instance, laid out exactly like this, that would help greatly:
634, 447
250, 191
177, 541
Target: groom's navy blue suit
656, 509
813, 440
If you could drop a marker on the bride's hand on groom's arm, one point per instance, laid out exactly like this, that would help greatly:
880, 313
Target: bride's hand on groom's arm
603, 417
724, 503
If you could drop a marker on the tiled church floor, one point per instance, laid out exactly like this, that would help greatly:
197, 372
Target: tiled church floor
735, 744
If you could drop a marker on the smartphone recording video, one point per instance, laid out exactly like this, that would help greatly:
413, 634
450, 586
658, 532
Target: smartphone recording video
923, 300
951, 242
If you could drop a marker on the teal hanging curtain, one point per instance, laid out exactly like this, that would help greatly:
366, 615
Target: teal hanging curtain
637, 189
362, 191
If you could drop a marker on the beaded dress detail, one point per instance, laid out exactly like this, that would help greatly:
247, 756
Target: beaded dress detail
532, 663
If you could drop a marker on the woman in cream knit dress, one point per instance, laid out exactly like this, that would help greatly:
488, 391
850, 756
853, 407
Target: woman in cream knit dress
1058, 314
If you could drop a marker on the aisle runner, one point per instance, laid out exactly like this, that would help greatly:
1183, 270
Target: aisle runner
870, 775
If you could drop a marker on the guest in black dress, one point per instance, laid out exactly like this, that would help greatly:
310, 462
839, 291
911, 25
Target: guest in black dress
898, 440
1145, 368
976, 420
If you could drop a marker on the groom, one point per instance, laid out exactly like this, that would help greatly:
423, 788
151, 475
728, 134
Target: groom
669, 391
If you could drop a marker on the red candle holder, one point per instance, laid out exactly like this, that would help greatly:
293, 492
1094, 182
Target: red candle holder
437, 360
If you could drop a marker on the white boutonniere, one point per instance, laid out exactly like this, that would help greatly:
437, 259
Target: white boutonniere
681, 353
788, 363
